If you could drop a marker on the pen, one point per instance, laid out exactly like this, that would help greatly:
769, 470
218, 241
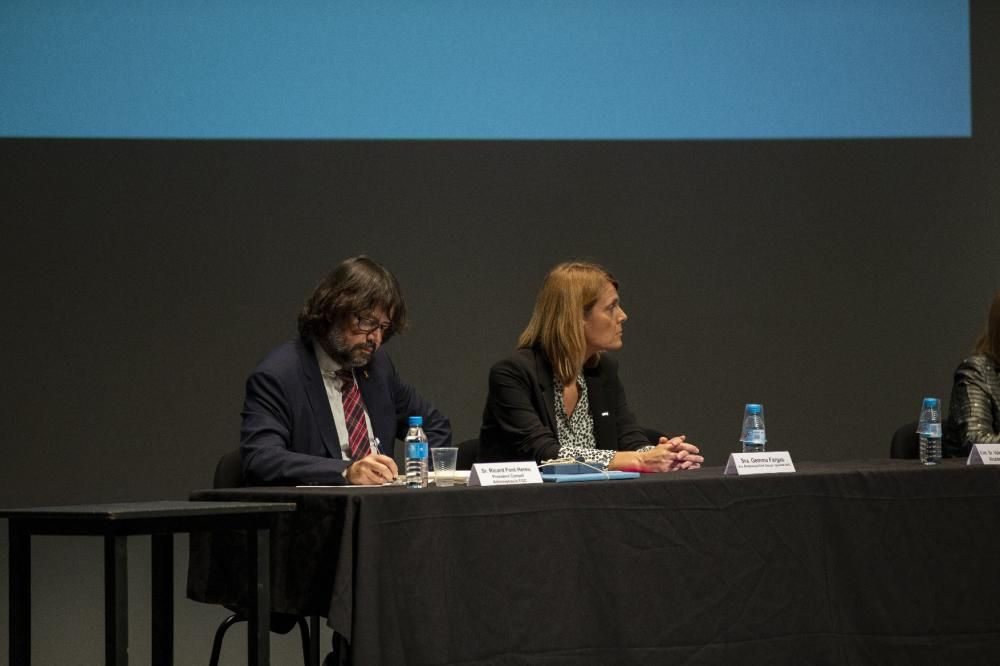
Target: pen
376, 448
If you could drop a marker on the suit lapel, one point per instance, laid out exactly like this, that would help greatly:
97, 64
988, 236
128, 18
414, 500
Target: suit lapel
543, 370
381, 413
319, 402
595, 396
604, 423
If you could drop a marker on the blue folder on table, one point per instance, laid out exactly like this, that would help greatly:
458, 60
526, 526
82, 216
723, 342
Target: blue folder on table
589, 476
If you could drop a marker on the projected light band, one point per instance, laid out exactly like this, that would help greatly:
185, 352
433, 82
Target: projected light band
686, 69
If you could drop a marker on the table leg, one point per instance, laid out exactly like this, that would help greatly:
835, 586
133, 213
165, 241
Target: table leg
115, 600
19, 589
163, 599
259, 592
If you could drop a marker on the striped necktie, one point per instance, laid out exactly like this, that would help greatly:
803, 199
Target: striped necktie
354, 415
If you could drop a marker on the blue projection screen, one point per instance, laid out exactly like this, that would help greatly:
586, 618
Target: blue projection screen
682, 69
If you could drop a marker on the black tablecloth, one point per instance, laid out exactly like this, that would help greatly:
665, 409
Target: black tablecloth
871, 562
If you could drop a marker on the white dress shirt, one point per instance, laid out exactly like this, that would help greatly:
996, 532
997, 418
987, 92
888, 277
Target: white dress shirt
328, 368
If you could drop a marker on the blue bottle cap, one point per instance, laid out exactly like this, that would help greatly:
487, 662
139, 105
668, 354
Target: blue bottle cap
753, 408
416, 421
930, 402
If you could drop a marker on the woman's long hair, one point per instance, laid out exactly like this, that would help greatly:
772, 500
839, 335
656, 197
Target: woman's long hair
567, 295
989, 341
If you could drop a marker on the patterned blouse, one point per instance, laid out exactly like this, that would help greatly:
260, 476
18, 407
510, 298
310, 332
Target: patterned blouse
576, 432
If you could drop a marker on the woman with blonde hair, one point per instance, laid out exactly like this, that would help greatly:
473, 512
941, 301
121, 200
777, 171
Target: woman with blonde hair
559, 395
974, 413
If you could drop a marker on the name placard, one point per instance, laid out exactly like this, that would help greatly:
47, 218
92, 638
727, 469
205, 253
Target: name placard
984, 454
771, 462
504, 474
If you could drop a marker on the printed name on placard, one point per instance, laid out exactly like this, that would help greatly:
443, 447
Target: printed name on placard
771, 462
504, 474
984, 454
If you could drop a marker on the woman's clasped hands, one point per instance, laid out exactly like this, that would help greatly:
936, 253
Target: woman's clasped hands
669, 455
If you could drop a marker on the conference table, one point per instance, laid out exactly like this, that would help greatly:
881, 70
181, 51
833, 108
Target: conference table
877, 561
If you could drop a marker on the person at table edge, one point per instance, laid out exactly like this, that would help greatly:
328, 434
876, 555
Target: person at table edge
974, 411
559, 395
326, 407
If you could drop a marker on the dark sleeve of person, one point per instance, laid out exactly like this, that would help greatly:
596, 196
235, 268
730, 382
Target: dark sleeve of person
973, 412
409, 403
512, 423
266, 440
630, 435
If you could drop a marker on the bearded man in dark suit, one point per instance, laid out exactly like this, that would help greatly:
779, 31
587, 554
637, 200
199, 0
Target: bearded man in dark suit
326, 407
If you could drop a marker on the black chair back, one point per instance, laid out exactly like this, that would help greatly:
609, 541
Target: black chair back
229, 471
229, 474
905, 442
468, 451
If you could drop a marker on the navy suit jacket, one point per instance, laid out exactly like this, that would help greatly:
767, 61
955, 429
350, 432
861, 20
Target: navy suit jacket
288, 435
519, 421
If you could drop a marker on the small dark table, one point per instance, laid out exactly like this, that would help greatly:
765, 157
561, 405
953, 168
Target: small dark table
161, 520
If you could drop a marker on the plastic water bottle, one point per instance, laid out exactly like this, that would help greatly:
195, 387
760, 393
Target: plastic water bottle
929, 429
753, 436
416, 454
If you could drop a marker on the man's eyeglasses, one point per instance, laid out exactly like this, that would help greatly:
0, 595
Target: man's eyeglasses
367, 325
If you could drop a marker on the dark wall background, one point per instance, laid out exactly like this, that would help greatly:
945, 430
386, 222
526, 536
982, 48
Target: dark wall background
836, 282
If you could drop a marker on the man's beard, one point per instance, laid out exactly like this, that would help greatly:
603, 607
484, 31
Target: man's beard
348, 356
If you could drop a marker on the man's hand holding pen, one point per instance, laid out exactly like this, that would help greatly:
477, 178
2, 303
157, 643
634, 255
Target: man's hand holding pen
374, 469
